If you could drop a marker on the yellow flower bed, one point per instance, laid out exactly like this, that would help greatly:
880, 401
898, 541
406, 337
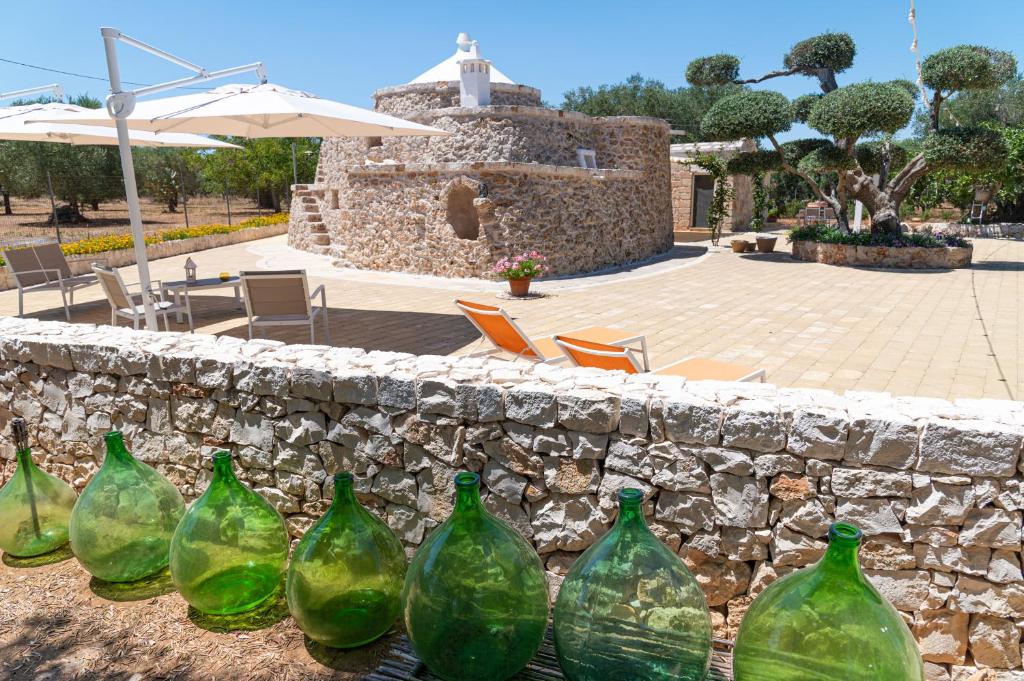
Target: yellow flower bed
120, 242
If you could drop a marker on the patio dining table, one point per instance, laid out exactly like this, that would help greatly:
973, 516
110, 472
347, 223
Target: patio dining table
180, 290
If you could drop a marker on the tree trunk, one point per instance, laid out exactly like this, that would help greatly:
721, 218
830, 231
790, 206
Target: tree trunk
172, 203
95, 204
886, 220
275, 200
7, 203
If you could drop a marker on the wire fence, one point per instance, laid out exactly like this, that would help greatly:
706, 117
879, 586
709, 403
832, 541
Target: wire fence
31, 220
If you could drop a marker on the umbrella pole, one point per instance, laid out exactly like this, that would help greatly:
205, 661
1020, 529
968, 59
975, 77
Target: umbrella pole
131, 190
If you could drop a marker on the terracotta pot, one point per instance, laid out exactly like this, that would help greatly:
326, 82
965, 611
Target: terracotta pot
766, 244
738, 245
519, 287
750, 248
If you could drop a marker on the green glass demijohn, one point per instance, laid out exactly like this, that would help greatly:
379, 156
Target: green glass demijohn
35, 507
629, 610
826, 622
122, 524
476, 599
229, 552
345, 580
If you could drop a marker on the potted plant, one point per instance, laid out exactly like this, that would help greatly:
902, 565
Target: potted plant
766, 242
520, 270
738, 245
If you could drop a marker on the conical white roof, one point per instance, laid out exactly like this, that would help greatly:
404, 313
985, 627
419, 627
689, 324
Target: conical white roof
449, 68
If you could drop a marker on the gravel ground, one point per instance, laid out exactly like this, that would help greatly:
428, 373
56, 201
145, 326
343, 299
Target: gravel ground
56, 623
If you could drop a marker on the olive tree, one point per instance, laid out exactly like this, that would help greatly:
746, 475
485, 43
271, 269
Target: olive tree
857, 122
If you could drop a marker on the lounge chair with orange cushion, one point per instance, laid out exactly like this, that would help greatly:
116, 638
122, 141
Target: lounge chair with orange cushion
509, 341
584, 353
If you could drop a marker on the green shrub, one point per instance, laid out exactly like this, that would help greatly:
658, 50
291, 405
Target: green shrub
862, 108
752, 113
827, 234
826, 51
716, 69
967, 67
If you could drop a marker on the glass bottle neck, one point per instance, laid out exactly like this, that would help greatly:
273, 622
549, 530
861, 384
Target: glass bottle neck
467, 493
841, 555
223, 473
115, 447
344, 493
631, 512
24, 457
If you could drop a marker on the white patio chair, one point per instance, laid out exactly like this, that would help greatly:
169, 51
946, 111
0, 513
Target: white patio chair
124, 303
44, 268
282, 298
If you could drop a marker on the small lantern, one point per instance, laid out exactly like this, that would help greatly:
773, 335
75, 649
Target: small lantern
190, 270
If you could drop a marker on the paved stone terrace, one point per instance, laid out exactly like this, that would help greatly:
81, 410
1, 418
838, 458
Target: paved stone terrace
932, 333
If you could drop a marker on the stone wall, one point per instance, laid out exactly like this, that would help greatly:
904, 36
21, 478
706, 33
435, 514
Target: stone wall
883, 256
386, 206
742, 480
401, 100
82, 264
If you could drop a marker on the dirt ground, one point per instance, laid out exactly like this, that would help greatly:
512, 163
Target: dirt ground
30, 220
57, 623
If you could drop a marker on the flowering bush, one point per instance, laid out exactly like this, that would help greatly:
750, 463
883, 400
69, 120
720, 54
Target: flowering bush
120, 242
826, 234
531, 264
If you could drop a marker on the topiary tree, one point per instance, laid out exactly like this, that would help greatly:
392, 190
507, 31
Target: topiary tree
857, 121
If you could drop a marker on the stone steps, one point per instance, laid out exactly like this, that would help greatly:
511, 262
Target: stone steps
317, 227
321, 239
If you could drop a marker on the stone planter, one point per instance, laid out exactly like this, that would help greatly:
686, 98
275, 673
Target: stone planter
520, 287
913, 257
766, 244
738, 245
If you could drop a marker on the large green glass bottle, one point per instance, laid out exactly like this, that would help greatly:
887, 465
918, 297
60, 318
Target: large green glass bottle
826, 622
229, 552
35, 507
476, 599
122, 524
345, 580
629, 610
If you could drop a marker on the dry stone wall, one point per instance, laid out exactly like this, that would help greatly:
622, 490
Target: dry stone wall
401, 99
742, 480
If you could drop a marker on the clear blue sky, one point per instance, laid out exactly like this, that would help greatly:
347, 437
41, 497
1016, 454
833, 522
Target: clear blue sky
344, 50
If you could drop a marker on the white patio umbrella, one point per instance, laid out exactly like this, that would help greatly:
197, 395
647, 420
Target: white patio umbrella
264, 110
15, 124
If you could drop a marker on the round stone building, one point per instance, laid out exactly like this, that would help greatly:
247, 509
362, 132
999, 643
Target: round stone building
514, 176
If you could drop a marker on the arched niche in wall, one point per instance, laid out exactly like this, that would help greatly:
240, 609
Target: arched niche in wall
460, 211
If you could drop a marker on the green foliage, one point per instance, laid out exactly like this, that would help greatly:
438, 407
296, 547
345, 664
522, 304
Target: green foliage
974, 148
908, 85
826, 158
719, 206
826, 234
833, 51
795, 150
754, 162
802, 106
161, 173
263, 164
717, 69
862, 108
760, 195
682, 107
752, 113
872, 155
1000, 106
967, 67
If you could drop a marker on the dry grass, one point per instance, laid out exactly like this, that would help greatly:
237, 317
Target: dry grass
56, 624
30, 221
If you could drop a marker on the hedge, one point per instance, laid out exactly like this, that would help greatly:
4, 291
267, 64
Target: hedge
827, 234
119, 242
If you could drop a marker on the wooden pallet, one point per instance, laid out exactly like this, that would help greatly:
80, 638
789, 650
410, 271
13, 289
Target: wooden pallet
401, 664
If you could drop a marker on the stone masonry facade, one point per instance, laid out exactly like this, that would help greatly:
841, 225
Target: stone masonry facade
507, 180
742, 480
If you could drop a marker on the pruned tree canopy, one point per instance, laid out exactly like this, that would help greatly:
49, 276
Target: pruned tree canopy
973, 148
862, 108
872, 155
833, 51
753, 162
802, 107
748, 114
967, 67
717, 69
795, 150
826, 158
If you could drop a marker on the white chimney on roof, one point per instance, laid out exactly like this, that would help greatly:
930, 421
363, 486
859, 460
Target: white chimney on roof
474, 74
